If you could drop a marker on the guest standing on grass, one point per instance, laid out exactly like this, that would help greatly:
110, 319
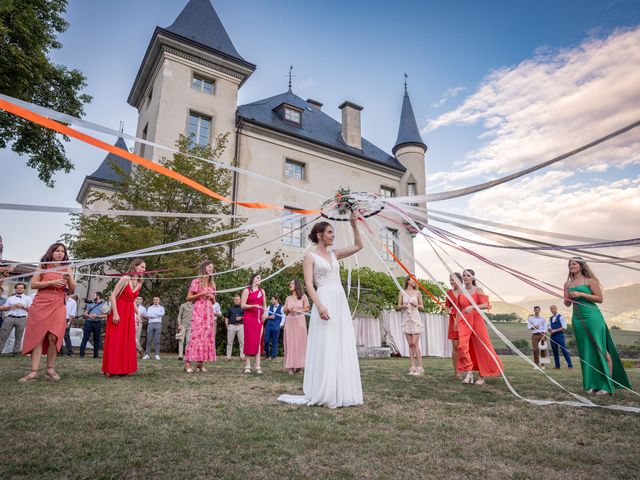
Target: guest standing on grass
93, 316
141, 315
455, 280
234, 323
538, 326
275, 318
475, 351
185, 313
295, 328
202, 293
254, 303
119, 357
16, 309
47, 319
154, 315
72, 313
557, 326
410, 304
602, 370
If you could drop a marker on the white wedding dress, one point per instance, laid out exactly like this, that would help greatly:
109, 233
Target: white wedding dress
332, 372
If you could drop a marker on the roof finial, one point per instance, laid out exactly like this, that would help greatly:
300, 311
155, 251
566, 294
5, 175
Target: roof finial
121, 126
290, 76
405, 82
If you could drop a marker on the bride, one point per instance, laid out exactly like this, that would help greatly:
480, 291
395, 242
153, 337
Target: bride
332, 372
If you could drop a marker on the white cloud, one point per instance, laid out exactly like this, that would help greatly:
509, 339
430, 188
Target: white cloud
448, 95
551, 104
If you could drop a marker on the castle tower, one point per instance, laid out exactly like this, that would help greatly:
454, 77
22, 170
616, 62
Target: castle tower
188, 82
410, 150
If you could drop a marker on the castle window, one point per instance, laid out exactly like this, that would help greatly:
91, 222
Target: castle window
202, 85
411, 189
291, 115
199, 129
294, 169
388, 238
292, 224
144, 137
387, 192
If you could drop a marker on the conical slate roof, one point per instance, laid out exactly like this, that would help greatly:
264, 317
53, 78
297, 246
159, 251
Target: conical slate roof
106, 171
200, 23
408, 132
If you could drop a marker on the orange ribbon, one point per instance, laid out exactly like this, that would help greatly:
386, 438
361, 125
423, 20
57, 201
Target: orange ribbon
397, 260
70, 132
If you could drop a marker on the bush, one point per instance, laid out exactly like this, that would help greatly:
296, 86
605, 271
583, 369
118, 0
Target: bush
521, 343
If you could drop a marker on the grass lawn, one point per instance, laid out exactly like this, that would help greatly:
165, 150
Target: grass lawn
163, 423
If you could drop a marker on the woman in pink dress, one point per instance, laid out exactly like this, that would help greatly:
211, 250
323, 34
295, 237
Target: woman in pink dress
46, 322
254, 303
295, 328
475, 351
410, 304
450, 302
120, 355
202, 342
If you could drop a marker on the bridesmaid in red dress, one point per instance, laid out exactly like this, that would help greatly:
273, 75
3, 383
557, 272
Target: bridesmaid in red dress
254, 303
475, 351
119, 354
46, 322
455, 279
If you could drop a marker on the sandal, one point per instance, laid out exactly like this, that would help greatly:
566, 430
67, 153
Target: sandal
419, 371
602, 392
480, 381
29, 377
468, 379
202, 369
188, 369
247, 369
52, 374
412, 371
259, 371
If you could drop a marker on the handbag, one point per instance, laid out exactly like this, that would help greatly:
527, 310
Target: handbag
180, 335
106, 308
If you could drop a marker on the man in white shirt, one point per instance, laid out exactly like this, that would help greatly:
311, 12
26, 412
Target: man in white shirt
140, 317
155, 312
16, 309
72, 313
538, 326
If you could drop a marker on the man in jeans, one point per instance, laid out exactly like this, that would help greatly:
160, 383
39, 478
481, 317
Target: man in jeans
15, 308
155, 312
233, 322
93, 324
538, 327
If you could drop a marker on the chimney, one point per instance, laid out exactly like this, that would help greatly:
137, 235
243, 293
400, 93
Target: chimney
351, 131
314, 103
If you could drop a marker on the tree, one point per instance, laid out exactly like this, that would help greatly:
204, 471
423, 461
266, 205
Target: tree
28, 32
144, 189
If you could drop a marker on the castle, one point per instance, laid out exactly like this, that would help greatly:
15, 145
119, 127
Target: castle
188, 83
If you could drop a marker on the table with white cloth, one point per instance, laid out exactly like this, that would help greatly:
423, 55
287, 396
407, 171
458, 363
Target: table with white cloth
433, 342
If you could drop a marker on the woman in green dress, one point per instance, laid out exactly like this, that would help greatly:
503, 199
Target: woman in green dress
602, 370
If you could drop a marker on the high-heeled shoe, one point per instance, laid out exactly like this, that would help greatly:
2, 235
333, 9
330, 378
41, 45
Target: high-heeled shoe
188, 369
468, 379
480, 381
419, 371
412, 370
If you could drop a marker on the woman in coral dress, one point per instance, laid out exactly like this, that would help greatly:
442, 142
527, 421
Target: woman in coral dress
295, 328
120, 353
202, 342
254, 303
455, 279
475, 351
46, 322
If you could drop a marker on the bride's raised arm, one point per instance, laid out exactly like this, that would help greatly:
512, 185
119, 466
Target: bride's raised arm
357, 244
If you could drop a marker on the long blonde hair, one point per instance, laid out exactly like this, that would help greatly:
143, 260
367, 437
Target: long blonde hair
585, 269
202, 273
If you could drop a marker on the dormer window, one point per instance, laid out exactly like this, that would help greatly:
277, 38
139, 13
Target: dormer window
291, 115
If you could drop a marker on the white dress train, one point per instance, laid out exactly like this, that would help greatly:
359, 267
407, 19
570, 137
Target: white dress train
332, 371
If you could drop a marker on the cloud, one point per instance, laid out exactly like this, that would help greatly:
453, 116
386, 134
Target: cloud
448, 95
550, 104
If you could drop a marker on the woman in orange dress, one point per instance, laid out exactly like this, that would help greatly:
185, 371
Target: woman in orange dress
47, 319
475, 351
455, 279
120, 354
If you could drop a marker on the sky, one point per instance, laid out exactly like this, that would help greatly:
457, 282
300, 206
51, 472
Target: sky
496, 86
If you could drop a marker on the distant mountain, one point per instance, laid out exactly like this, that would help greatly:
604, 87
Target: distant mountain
621, 307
